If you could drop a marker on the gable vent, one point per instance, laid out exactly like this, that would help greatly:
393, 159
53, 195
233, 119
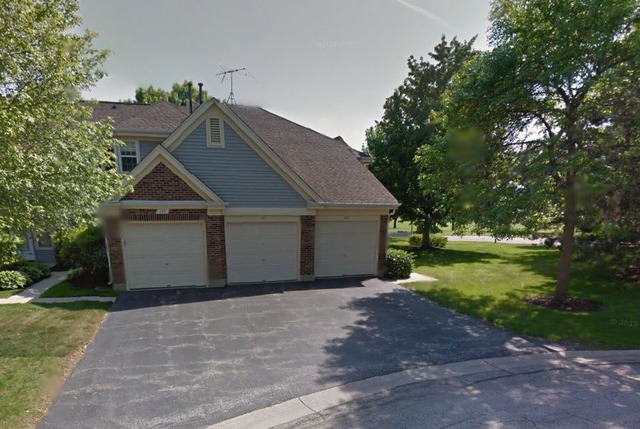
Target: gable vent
215, 135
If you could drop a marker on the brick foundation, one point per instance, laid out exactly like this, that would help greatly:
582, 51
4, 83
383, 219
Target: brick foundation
307, 245
382, 245
161, 184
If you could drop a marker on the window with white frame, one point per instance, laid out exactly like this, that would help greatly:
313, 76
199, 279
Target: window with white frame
128, 156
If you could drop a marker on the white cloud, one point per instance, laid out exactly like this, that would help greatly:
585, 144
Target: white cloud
426, 13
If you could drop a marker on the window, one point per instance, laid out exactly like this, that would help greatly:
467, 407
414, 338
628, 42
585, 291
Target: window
128, 156
44, 241
215, 132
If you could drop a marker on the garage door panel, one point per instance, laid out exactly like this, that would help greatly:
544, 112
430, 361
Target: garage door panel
164, 254
345, 248
262, 251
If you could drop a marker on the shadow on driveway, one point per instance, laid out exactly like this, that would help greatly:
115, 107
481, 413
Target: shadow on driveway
192, 358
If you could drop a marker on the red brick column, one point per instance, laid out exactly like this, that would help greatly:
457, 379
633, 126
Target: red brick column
382, 245
307, 246
216, 251
114, 247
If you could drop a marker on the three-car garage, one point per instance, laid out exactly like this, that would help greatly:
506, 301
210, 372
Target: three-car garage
161, 254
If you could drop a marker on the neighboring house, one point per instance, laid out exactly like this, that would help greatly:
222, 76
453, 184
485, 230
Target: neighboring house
236, 194
39, 249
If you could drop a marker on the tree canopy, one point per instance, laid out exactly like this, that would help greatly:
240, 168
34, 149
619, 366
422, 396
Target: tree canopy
406, 126
56, 165
546, 110
178, 95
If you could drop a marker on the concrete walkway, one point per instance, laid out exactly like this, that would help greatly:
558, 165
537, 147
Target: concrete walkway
316, 404
33, 293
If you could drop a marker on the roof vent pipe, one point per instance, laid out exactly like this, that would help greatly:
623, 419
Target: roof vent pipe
200, 93
189, 85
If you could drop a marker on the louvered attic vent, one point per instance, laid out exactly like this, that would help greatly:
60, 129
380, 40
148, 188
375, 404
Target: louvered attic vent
215, 135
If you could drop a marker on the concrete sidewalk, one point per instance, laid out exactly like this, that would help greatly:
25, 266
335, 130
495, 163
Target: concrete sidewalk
312, 410
33, 293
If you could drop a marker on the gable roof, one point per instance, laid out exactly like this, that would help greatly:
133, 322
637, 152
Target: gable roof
160, 116
330, 169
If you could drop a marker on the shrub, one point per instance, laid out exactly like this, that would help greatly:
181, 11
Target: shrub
84, 248
12, 280
399, 264
435, 240
438, 240
45, 271
74, 273
415, 241
32, 274
9, 248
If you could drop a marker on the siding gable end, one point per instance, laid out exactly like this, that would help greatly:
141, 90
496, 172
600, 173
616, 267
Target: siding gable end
235, 172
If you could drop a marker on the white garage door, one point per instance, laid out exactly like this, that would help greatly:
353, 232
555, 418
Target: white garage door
346, 248
164, 255
259, 252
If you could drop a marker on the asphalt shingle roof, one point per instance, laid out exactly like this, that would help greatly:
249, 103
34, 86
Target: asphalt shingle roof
161, 116
326, 165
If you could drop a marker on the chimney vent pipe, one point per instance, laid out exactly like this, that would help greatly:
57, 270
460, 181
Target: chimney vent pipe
200, 93
189, 85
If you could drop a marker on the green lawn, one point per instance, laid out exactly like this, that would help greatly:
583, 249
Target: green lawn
39, 345
488, 281
8, 293
64, 289
402, 226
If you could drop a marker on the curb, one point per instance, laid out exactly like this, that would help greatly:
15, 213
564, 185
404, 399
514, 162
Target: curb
316, 402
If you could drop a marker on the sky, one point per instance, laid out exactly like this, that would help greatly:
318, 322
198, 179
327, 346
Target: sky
326, 64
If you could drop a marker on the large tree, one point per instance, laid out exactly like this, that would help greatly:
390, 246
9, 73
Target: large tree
56, 165
546, 107
178, 95
406, 126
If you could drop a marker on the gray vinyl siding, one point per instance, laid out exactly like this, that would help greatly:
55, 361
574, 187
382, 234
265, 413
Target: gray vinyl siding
45, 255
146, 147
236, 172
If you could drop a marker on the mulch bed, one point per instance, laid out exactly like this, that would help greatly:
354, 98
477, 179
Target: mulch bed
572, 305
91, 280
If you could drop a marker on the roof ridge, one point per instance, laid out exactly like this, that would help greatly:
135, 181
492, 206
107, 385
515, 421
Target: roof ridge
297, 124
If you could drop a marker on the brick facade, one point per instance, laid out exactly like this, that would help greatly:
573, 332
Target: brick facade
307, 245
162, 184
216, 248
382, 245
215, 241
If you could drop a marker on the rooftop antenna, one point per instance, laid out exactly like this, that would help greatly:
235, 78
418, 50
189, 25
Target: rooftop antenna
232, 99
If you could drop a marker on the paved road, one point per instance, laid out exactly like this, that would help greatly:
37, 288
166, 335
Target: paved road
568, 398
191, 358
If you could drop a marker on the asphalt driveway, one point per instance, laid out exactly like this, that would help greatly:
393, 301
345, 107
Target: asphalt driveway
191, 358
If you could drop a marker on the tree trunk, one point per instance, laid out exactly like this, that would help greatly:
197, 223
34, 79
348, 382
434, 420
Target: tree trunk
426, 234
395, 222
568, 234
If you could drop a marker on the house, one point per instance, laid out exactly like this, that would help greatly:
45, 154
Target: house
38, 248
235, 194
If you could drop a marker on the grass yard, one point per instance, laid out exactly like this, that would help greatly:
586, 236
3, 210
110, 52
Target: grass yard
488, 281
402, 226
39, 346
65, 289
9, 293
